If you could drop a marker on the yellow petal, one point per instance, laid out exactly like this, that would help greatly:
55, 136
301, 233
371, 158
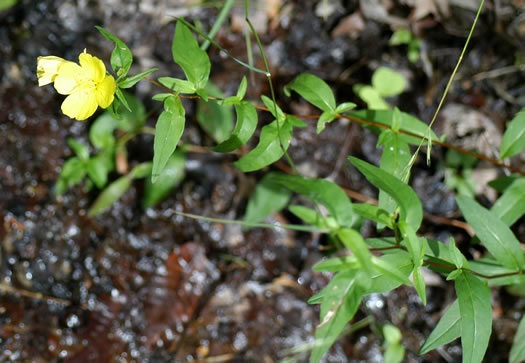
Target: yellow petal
93, 67
106, 91
47, 69
80, 104
69, 76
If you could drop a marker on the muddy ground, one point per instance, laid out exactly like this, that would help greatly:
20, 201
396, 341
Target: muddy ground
152, 286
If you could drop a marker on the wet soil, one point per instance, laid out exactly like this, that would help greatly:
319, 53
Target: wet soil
151, 286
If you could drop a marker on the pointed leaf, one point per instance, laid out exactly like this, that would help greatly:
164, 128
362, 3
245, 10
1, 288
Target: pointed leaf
121, 57
447, 329
314, 90
268, 198
321, 191
336, 312
408, 123
133, 80
274, 109
510, 206
406, 198
110, 195
168, 132
187, 54
513, 141
169, 178
269, 148
476, 316
374, 213
216, 119
178, 85
517, 352
493, 233
326, 117
244, 128
355, 243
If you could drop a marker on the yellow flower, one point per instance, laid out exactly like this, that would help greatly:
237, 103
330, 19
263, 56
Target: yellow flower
87, 85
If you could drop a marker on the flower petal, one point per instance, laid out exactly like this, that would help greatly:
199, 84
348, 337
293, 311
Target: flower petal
80, 104
69, 76
47, 69
106, 91
94, 67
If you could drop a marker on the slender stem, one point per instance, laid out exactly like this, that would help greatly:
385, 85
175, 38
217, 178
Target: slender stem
220, 20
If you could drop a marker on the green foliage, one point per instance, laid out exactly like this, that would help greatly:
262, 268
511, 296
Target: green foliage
513, 141
215, 119
269, 197
447, 330
385, 83
169, 178
193, 60
496, 236
168, 132
403, 37
358, 271
517, 353
476, 316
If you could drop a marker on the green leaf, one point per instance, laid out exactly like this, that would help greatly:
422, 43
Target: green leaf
81, 150
131, 81
371, 97
134, 117
447, 329
355, 243
178, 85
344, 107
73, 171
186, 53
121, 57
412, 243
510, 206
311, 216
321, 191
374, 213
141, 170
419, 284
214, 118
394, 158
517, 352
513, 141
168, 132
408, 123
383, 281
269, 148
406, 198
244, 128
169, 178
493, 233
337, 309
101, 131
476, 316
459, 260
338, 264
388, 82
314, 90
400, 36
394, 353
274, 109
326, 117
99, 166
242, 88
390, 271
110, 195
122, 99
267, 199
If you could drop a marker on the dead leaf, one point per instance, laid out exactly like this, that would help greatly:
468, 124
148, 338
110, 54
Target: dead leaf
351, 25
